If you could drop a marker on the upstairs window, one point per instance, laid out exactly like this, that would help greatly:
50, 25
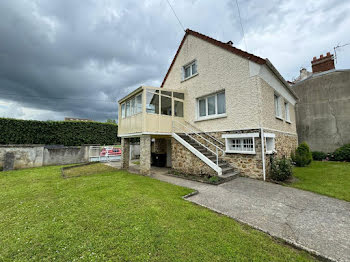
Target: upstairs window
278, 111
211, 106
132, 107
286, 110
189, 70
123, 110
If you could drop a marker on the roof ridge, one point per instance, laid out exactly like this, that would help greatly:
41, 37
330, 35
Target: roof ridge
218, 43
190, 31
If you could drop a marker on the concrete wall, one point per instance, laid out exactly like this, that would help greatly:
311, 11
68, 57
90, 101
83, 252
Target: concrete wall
65, 155
27, 156
323, 112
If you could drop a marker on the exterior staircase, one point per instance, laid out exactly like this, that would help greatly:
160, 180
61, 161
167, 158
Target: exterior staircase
227, 170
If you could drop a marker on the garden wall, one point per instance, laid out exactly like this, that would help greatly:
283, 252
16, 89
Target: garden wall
27, 156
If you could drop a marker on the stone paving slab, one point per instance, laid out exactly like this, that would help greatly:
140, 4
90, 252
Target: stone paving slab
310, 221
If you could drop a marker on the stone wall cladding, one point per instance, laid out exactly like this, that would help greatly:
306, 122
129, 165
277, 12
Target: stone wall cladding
125, 157
159, 146
186, 162
145, 154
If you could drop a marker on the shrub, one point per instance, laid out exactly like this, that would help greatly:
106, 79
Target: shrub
213, 179
281, 169
342, 153
68, 133
319, 156
302, 156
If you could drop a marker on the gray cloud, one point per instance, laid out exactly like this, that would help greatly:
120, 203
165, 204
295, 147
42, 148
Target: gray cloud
89, 52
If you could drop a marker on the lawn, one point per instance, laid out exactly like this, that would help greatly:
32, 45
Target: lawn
118, 216
326, 178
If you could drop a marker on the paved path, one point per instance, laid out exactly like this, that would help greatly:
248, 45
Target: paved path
313, 222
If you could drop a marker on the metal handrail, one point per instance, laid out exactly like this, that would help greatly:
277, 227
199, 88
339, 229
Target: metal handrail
206, 134
189, 135
200, 136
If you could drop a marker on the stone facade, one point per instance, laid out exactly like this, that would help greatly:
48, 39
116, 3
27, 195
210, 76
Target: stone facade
159, 146
186, 162
248, 164
125, 157
145, 154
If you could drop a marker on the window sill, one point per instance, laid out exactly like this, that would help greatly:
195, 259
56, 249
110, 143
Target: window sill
240, 152
279, 118
289, 122
196, 74
210, 117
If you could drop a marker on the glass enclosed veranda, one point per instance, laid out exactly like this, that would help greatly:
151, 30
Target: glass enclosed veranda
150, 110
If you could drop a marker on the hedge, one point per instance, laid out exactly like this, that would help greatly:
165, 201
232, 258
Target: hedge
68, 133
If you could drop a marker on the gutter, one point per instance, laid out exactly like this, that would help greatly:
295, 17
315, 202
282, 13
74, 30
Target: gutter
263, 152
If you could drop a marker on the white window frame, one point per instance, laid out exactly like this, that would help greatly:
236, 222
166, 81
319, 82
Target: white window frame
207, 116
241, 137
133, 109
272, 137
277, 106
189, 65
286, 111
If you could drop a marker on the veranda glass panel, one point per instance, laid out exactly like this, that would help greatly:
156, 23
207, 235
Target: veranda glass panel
123, 110
211, 105
139, 103
133, 107
165, 105
178, 108
152, 103
179, 95
127, 108
202, 108
221, 103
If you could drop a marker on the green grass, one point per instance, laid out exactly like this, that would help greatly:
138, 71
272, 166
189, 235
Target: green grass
118, 216
326, 178
85, 170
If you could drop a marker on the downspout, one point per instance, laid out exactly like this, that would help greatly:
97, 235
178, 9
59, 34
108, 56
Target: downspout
263, 152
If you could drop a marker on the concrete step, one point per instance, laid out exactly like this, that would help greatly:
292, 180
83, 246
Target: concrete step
227, 170
232, 175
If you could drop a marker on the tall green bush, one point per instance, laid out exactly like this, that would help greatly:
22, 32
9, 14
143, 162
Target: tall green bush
342, 153
68, 133
302, 155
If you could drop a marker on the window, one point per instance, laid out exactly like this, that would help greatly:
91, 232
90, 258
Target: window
240, 143
269, 143
152, 103
123, 110
278, 110
127, 108
211, 106
286, 110
165, 105
179, 95
189, 70
132, 107
178, 108
139, 103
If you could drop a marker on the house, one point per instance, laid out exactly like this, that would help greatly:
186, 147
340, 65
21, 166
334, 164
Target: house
323, 111
219, 111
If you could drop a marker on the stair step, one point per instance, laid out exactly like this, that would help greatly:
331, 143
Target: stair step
232, 175
227, 170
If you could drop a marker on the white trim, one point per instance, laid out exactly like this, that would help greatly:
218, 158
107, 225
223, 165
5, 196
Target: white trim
203, 118
145, 133
198, 154
263, 153
188, 78
269, 135
240, 135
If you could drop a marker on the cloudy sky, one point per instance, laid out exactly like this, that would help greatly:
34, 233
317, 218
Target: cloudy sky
76, 58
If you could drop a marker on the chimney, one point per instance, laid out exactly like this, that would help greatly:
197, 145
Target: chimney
303, 74
324, 63
230, 43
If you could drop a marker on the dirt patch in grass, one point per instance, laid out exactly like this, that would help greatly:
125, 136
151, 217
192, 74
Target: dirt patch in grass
85, 170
